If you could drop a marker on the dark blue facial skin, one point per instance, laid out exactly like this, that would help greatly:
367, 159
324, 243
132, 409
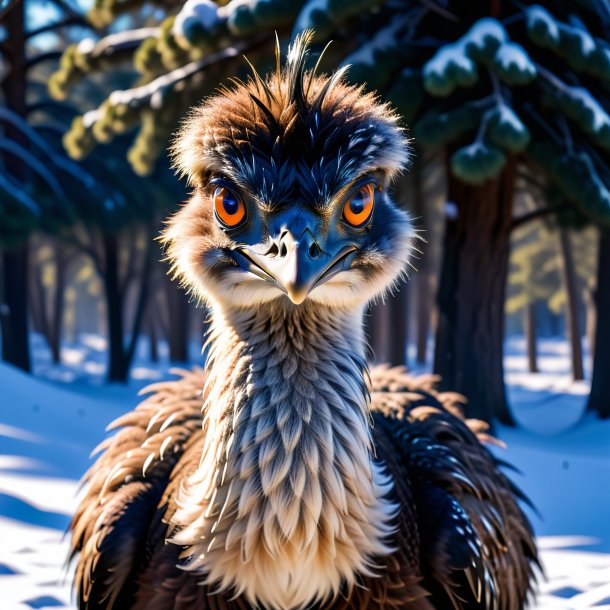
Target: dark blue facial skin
332, 232
296, 178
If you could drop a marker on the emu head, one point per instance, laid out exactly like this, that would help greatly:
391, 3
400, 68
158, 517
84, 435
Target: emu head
290, 198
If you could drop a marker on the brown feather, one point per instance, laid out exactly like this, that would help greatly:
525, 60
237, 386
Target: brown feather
122, 566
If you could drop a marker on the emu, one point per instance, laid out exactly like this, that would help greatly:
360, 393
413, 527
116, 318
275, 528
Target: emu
306, 479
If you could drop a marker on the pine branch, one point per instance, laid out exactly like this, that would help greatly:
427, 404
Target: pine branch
539, 213
440, 10
38, 59
122, 41
139, 96
66, 8
529, 108
52, 106
51, 27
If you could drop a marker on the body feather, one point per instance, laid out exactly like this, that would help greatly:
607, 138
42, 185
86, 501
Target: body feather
461, 537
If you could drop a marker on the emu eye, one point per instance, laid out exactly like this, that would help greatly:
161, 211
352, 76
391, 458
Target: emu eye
230, 209
357, 211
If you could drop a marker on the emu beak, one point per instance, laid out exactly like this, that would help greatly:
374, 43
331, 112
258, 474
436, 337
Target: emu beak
295, 266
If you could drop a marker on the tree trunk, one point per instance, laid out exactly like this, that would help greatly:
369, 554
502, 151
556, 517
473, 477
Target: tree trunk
152, 336
14, 307
117, 364
571, 289
57, 313
422, 293
425, 304
470, 333
14, 291
36, 303
378, 331
599, 399
529, 321
141, 302
398, 327
178, 326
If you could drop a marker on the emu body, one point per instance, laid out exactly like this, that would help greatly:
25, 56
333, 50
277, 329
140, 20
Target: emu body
287, 476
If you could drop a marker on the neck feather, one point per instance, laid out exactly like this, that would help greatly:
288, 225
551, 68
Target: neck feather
288, 503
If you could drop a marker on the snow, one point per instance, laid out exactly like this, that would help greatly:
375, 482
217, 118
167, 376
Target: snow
597, 117
538, 15
447, 58
385, 39
85, 46
303, 20
452, 65
204, 12
484, 30
50, 423
512, 55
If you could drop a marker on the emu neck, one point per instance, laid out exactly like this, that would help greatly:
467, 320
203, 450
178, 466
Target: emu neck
287, 491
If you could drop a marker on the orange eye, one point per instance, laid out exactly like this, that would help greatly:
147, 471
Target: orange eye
230, 210
359, 208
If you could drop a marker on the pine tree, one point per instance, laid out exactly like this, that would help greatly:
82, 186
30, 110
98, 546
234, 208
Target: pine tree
34, 174
90, 205
495, 85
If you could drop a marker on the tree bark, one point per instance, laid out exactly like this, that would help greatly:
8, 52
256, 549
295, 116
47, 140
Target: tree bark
47, 313
423, 294
599, 398
178, 325
398, 327
57, 314
425, 304
36, 303
529, 322
14, 308
141, 302
14, 291
571, 311
470, 333
376, 328
117, 365
151, 324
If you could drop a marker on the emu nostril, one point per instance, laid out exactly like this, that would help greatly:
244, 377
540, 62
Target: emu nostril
283, 250
314, 250
273, 250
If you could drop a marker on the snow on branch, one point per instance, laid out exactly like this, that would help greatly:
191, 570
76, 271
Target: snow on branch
89, 49
581, 106
454, 65
572, 42
91, 56
323, 16
152, 93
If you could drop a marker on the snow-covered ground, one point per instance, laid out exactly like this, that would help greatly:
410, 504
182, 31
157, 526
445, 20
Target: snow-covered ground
50, 423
